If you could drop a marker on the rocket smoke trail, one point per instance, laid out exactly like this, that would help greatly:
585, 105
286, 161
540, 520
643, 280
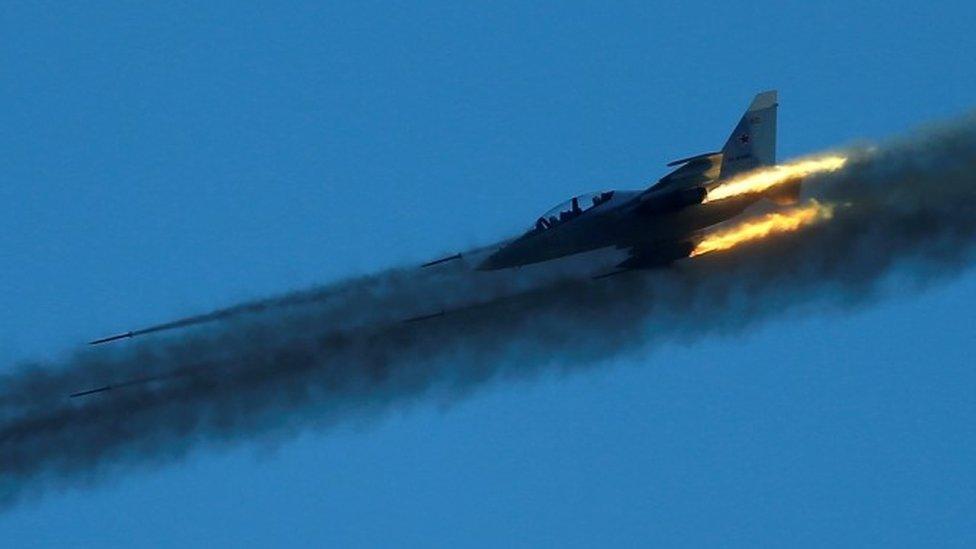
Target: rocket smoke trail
311, 359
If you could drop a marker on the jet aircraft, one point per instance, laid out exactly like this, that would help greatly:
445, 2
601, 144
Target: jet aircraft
660, 224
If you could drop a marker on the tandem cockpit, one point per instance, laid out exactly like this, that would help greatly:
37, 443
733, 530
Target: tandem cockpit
570, 209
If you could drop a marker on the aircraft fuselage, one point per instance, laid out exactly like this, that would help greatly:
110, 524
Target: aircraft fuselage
618, 223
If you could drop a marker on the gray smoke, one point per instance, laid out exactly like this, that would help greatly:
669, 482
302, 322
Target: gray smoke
327, 355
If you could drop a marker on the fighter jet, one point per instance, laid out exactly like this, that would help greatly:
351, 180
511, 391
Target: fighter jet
660, 224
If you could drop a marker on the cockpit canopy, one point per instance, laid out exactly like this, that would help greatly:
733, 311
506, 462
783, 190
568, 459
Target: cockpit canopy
570, 209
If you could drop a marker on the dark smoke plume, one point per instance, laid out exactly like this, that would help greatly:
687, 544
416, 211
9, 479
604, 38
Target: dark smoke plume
315, 358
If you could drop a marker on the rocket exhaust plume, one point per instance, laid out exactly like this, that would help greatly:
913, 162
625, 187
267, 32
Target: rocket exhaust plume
764, 179
340, 352
756, 228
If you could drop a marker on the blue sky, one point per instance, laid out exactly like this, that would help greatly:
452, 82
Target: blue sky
166, 160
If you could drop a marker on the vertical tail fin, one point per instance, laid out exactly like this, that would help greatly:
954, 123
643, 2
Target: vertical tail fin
753, 142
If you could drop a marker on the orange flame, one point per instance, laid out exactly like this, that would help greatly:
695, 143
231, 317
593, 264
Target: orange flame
757, 181
752, 229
